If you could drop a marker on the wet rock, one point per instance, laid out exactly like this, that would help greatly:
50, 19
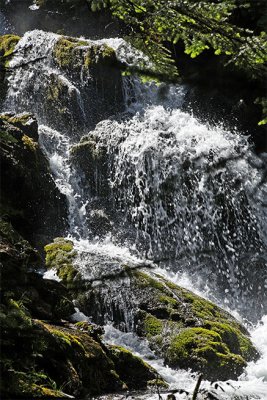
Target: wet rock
29, 196
60, 255
53, 358
38, 356
183, 328
91, 159
45, 299
7, 46
131, 369
95, 71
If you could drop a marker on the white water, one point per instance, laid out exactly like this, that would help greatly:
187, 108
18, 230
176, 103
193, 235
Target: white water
158, 147
251, 383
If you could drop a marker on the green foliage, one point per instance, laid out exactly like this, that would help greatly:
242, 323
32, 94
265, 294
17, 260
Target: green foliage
97, 5
200, 25
263, 102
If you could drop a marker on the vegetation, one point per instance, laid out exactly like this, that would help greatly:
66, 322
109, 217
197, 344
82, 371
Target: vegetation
156, 26
7, 46
189, 331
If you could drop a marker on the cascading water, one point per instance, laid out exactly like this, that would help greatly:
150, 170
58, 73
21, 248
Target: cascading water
187, 196
192, 193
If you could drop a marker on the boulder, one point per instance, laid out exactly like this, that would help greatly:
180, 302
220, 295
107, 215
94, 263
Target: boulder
79, 81
53, 358
29, 196
7, 46
95, 72
183, 328
45, 299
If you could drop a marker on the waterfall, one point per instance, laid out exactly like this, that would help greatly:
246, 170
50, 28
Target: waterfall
185, 196
193, 194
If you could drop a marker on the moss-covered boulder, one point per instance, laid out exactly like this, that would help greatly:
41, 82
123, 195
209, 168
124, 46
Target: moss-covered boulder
131, 369
72, 53
189, 331
19, 263
39, 357
45, 360
60, 256
29, 196
81, 89
183, 328
7, 46
52, 358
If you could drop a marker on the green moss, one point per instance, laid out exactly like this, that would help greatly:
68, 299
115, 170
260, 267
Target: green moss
15, 316
145, 280
66, 338
107, 52
22, 119
7, 46
167, 300
64, 51
132, 369
205, 349
59, 244
7, 138
200, 307
236, 341
46, 392
29, 143
152, 325
60, 255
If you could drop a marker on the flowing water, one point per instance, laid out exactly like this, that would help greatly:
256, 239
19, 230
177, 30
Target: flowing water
185, 198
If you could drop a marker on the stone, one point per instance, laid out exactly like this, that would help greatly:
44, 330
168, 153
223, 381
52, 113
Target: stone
36, 208
184, 329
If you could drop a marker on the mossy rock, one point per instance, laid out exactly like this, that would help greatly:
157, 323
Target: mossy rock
40, 358
73, 53
132, 370
191, 332
206, 351
60, 255
184, 329
7, 46
36, 208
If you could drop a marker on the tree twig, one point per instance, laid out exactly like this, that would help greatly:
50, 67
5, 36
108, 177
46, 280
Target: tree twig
194, 397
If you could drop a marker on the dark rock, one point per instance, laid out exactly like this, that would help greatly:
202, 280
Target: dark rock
29, 197
131, 369
45, 299
39, 357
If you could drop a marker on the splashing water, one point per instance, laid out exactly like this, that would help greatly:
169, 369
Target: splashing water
253, 383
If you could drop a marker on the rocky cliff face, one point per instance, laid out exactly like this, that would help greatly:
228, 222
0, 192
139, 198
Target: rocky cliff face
29, 196
43, 355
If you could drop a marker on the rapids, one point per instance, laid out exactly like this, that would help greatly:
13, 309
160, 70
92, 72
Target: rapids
186, 198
